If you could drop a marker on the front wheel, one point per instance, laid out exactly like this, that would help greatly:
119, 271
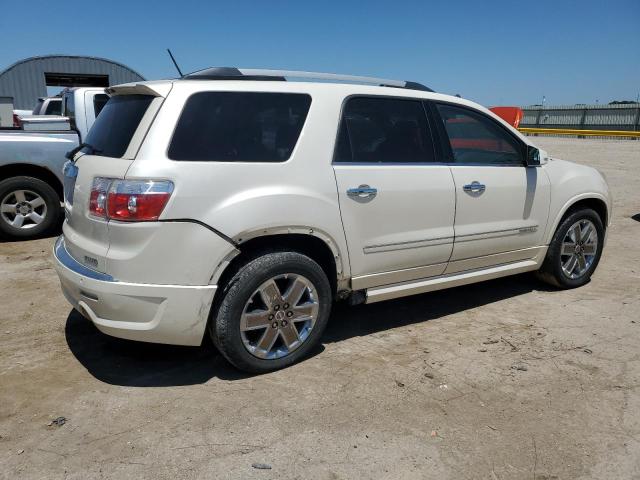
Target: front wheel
273, 312
29, 208
574, 251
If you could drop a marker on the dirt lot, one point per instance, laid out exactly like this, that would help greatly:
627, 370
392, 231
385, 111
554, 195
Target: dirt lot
501, 380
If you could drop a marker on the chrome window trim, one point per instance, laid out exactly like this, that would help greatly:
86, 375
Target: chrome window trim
424, 164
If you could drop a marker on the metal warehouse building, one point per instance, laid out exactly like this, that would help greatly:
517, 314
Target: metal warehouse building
28, 79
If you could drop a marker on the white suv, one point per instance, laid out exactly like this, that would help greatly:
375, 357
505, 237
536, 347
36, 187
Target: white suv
239, 203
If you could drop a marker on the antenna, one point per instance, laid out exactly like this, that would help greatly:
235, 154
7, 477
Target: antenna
175, 63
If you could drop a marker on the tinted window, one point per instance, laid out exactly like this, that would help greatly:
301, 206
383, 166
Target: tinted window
477, 139
70, 109
384, 130
112, 132
239, 127
54, 107
99, 101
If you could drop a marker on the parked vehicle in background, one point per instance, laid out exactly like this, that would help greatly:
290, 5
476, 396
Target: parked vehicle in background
23, 113
235, 202
17, 114
6, 111
31, 162
48, 106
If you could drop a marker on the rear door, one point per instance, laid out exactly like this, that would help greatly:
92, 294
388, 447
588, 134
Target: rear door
397, 204
501, 204
111, 146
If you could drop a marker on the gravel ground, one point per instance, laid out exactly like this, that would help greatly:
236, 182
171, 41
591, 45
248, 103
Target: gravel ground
500, 380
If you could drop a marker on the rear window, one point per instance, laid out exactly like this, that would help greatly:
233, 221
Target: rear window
239, 127
99, 101
54, 107
114, 128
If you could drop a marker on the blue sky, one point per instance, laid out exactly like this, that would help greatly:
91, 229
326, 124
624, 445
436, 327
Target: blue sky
493, 52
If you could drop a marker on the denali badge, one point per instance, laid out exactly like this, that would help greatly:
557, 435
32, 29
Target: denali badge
91, 261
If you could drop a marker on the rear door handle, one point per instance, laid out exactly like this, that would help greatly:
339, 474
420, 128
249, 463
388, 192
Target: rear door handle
363, 191
474, 187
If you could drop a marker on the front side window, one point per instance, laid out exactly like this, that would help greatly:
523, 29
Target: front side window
239, 127
477, 139
113, 130
384, 130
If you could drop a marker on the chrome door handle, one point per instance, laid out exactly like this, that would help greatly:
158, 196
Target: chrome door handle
363, 191
474, 187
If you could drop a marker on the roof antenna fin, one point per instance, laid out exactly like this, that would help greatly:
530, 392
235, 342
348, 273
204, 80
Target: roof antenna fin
175, 63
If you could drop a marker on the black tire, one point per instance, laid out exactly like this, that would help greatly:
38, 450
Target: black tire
551, 271
51, 201
226, 315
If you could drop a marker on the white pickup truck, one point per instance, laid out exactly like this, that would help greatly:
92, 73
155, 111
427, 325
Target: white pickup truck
31, 162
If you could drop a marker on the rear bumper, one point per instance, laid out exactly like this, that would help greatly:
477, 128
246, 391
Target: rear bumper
173, 314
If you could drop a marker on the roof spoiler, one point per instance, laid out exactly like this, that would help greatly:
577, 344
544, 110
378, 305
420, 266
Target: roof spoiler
232, 73
156, 89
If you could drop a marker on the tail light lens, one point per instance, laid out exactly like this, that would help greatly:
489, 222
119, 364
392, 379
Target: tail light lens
98, 197
129, 200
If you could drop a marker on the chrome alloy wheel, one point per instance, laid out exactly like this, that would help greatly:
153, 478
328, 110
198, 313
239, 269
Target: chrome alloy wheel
23, 209
279, 316
579, 248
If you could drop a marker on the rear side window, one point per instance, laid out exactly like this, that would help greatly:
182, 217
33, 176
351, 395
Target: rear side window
239, 127
114, 128
384, 130
477, 139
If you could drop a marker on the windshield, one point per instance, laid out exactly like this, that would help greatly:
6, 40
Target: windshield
114, 128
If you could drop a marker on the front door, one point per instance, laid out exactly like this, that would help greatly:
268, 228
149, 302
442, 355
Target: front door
501, 204
397, 205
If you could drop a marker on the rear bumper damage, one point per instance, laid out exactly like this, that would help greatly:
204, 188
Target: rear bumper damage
172, 314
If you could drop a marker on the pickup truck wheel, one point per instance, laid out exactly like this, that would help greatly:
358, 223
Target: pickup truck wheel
273, 312
29, 207
574, 251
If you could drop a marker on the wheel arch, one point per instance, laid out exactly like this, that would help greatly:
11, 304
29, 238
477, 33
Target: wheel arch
314, 243
35, 171
596, 202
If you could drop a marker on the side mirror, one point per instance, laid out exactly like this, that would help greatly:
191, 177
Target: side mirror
533, 156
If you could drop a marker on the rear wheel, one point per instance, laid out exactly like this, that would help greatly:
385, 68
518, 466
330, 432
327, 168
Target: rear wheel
273, 312
574, 251
29, 207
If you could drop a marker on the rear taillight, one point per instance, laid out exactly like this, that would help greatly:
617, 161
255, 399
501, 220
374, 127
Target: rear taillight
98, 197
129, 200
16, 121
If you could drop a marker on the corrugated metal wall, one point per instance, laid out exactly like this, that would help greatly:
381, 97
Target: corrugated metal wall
586, 117
25, 82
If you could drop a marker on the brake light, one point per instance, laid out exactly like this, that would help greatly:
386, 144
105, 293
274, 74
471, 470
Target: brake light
129, 200
98, 197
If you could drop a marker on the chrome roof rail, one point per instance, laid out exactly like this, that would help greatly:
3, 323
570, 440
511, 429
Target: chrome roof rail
232, 73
